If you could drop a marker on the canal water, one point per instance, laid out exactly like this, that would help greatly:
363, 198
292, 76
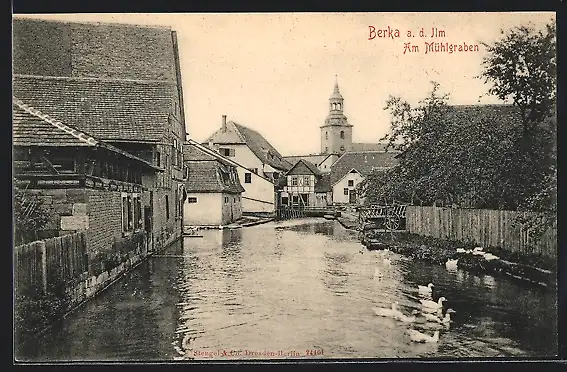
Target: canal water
300, 289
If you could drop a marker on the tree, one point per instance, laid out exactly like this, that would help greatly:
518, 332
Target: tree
522, 66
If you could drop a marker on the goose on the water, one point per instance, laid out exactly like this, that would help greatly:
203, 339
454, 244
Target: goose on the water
432, 304
425, 289
417, 336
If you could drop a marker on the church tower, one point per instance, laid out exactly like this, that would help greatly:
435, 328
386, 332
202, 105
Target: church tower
336, 133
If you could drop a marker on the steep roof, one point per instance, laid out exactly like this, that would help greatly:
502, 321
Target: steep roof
31, 127
109, 109
313, 158
502, 112
302, 167
360, 146
364, 162
239, 134
192, 153
207, 176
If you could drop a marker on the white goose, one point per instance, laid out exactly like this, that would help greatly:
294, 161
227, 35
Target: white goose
490, 257
432, 304
404, 318
451, 264
478, 251
417, 336
393, 313
382, 311
425, 289
445, 320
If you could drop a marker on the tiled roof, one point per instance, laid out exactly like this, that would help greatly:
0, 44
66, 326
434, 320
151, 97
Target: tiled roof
367, 147
302, 167
206, 176
108, 109
313, 158
262, 148
323, 183
191, 153
239, 134
32, 127
500, 112
364, 162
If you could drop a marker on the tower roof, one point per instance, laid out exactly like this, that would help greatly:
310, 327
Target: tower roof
336, 93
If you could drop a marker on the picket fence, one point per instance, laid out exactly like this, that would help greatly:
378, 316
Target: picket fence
488, 228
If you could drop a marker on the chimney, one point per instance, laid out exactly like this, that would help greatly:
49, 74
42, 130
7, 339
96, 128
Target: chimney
223, 126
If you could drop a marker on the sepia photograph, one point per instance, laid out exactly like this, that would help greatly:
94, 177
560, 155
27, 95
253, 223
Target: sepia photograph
262, 187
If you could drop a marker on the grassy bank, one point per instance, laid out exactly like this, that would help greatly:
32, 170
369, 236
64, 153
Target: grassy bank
536, 269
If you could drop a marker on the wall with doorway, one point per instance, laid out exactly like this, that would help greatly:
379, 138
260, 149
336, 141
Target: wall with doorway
339, 195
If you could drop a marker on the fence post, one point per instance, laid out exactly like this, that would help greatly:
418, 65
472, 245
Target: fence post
43, 253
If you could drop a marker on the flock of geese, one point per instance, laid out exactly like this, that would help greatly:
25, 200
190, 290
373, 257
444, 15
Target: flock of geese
431, 311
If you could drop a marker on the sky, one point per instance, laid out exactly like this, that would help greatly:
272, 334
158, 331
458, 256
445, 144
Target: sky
274, 72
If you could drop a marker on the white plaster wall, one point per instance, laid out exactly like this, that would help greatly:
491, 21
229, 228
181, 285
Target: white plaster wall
325, 166
338, 193
206, 212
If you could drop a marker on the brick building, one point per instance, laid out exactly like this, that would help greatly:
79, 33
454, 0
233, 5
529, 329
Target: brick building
83, 184
120, 84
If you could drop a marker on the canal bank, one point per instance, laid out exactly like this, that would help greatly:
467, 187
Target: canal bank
294, 285
35, 315
533, 269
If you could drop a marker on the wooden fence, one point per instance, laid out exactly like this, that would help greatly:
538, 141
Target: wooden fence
488, 228
49, 263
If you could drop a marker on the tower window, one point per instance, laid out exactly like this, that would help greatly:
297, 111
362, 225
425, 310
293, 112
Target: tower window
338, 106
326, 149
342, 134
326, 135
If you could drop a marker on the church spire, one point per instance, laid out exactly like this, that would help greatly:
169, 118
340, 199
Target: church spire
336, 99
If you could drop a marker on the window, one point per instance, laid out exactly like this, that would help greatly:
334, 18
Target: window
137, 212
226, 199
338, 106
295, 199
294, 181
158, 159
124, 213
345, 190
129, 209
174, 152
176, 203
247, 177
342, 134
326, 135
342, 148
351, 182
306, 180
167, 207
191, 200
227, 152
326, 149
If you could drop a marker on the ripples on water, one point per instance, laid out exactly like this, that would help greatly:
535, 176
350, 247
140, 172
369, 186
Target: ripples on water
296, 286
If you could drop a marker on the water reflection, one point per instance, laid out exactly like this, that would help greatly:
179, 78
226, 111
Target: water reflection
296, 286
